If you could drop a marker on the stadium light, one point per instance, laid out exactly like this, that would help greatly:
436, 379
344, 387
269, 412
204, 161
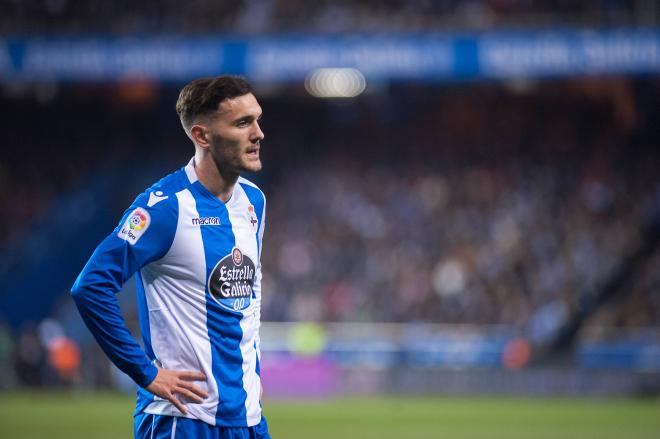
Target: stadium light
335, 83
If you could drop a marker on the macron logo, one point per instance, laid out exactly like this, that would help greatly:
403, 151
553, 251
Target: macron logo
155, 198
206, 221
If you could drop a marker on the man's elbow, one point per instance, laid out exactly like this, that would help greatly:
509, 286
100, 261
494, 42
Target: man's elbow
78, 291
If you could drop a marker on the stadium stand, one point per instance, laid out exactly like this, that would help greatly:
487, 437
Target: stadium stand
500, 207
250, 16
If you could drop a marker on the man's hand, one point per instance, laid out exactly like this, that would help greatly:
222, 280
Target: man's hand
170, 383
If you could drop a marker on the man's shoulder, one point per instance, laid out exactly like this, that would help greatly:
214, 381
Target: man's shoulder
171, 183
162, 194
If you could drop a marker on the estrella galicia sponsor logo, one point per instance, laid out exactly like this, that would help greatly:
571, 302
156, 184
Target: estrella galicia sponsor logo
135, 225
206, 221
232, 279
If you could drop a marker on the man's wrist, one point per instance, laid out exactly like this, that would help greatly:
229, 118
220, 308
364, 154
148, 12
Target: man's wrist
147, 376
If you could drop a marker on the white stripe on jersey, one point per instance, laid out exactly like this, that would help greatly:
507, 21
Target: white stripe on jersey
190, 170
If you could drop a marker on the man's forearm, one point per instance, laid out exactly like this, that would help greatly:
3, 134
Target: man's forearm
100, 312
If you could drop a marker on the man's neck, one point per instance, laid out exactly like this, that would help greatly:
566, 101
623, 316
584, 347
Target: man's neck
222, 186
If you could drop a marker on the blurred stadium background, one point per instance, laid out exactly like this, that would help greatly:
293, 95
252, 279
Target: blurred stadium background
464, 200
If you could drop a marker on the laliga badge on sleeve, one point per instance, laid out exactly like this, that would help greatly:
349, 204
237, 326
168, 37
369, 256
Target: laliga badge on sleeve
135, 225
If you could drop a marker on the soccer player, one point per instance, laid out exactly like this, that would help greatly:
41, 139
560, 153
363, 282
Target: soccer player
193, 240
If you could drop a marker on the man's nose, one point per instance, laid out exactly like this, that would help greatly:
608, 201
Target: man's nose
257, 135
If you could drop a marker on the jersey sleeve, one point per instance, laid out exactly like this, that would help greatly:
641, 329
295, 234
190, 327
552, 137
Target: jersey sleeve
144, 234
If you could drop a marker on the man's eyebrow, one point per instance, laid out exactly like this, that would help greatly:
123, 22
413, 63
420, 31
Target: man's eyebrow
247, 117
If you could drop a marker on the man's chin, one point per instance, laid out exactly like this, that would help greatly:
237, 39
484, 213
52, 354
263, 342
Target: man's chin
252, 166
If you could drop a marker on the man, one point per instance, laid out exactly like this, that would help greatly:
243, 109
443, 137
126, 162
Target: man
194, 241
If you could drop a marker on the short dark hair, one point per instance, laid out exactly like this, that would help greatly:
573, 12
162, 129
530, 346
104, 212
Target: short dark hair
201, 97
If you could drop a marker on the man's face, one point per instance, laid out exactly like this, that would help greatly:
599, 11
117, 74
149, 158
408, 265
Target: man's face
235, 135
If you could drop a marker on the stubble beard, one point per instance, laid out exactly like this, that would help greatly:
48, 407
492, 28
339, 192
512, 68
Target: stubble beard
231, 165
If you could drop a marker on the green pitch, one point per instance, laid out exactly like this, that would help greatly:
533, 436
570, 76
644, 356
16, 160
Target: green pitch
96, 416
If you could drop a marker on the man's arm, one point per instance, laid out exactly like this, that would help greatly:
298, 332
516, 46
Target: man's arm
144, 234
94, 294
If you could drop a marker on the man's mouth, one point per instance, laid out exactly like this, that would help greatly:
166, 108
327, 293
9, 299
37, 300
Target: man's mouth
253, 151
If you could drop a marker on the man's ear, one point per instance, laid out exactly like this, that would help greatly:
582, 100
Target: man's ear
199, 136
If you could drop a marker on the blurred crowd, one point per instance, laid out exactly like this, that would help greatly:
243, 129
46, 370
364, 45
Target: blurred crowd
480, 206
483, 244
56, 138
40, 356
474, 204
249, 16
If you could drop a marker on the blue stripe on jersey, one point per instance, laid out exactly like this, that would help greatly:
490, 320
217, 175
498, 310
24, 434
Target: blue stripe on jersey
144, 398
223, 324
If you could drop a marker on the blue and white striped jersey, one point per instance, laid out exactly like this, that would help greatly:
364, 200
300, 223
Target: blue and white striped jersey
198, 270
